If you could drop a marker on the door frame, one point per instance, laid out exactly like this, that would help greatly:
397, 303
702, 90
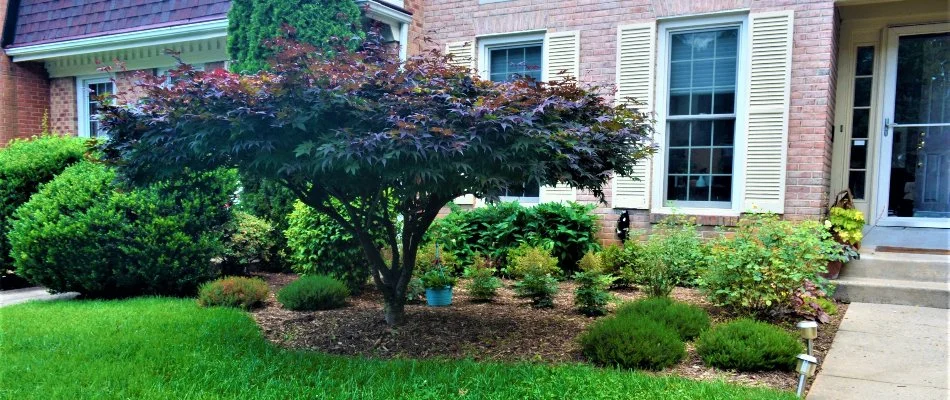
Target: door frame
885, 150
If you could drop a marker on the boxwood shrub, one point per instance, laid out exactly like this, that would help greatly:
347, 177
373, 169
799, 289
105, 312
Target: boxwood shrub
687, 320
24, 166
319, 245
748, 345
233, 291
81, 232
629, 341
313, 292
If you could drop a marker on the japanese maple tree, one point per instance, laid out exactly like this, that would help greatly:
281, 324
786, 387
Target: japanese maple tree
377, 144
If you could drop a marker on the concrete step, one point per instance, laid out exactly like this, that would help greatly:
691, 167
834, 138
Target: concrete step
899, 266
891, 291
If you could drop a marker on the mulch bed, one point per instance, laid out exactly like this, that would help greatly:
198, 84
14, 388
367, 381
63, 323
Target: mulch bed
507, 329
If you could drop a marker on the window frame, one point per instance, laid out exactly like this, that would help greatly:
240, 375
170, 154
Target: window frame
665, 30
82, 100
505, 41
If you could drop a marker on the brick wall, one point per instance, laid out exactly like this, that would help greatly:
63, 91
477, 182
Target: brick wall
813, 58
62, 104
24, 98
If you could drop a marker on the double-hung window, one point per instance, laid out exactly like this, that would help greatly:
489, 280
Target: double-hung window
89, 95
700, 117
505, 59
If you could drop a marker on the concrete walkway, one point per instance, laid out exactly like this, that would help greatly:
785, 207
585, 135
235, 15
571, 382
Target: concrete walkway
17, 296
884, 351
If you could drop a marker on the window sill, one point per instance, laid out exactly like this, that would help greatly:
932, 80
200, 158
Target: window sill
704, 216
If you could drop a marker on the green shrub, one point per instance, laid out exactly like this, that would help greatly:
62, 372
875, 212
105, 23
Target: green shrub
568, 230
233, 291
319, 245
655, 273
83, 233
759, 268
687, 320
681, 249
24, 166
250, 243
273, 203
314, 292
747, 345
482, 283
628, 342
526, 260
591, 262
540, 288
591, 296
415, 290
426, 260
620, 262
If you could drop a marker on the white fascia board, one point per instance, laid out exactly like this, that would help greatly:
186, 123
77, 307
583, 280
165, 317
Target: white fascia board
107, 42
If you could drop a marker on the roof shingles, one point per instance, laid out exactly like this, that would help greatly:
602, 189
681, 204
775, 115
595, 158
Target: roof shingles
44, 21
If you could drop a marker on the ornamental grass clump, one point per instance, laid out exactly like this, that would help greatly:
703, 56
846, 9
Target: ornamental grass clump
314, 292
748, 345
687, 320
629, 341
233, 291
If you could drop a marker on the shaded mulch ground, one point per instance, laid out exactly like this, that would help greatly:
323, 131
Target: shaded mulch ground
507, 329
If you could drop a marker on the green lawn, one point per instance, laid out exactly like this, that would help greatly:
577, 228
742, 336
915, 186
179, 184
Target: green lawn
156, 348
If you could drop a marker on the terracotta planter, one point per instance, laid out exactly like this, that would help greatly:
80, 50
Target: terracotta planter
834, 269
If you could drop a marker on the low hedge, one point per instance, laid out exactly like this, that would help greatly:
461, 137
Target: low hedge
233, 291
629, 341
314, 292
687, 320
748, 345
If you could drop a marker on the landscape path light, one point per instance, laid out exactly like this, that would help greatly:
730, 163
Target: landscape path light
809, 331
806, 369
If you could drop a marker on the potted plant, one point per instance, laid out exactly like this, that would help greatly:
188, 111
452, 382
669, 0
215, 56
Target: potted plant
438, 286
846, 225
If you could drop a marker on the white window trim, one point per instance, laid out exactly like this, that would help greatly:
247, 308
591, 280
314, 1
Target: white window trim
82, 100
665, 29
488, 43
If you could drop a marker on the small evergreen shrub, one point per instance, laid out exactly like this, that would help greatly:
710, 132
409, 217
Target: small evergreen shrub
482, 282
630, 342
320, 246
314, 292
526, 260
748, 345
233, 291
25, 164
591, 296
591, 262
687, 320
540, 288
273, 203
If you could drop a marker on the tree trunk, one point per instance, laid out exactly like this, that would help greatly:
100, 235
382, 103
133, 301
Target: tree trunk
395, 311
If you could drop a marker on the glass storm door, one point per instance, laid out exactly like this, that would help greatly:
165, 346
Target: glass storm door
915, 173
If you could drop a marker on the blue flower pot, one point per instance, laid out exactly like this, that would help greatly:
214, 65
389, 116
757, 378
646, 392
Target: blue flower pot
439, 297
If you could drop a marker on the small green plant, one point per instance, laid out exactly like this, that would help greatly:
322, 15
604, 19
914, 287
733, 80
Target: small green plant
656, 274
482, 282
758, 269
233, 291
631, 342
827, 305
620, 261
748, 345
314, 292
429, 258
415, 290
687, 320
437, 278
250, 242
540, 288
671, 256
591, 262
847, 225
526, 260
591, 296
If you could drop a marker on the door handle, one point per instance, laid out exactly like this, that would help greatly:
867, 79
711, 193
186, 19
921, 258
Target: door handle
887, 126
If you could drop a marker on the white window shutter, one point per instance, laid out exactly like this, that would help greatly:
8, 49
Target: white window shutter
770, 71
463, 53
561, 58
562, 55
636, 58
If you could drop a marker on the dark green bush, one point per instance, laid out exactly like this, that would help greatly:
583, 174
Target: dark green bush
540, 288
687, 320
314, 292
233, 291
748, 345
591, 296
568, 230
83, 233
250, 243
273, 203
482, 282
631, 342
24, 165
319, 245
